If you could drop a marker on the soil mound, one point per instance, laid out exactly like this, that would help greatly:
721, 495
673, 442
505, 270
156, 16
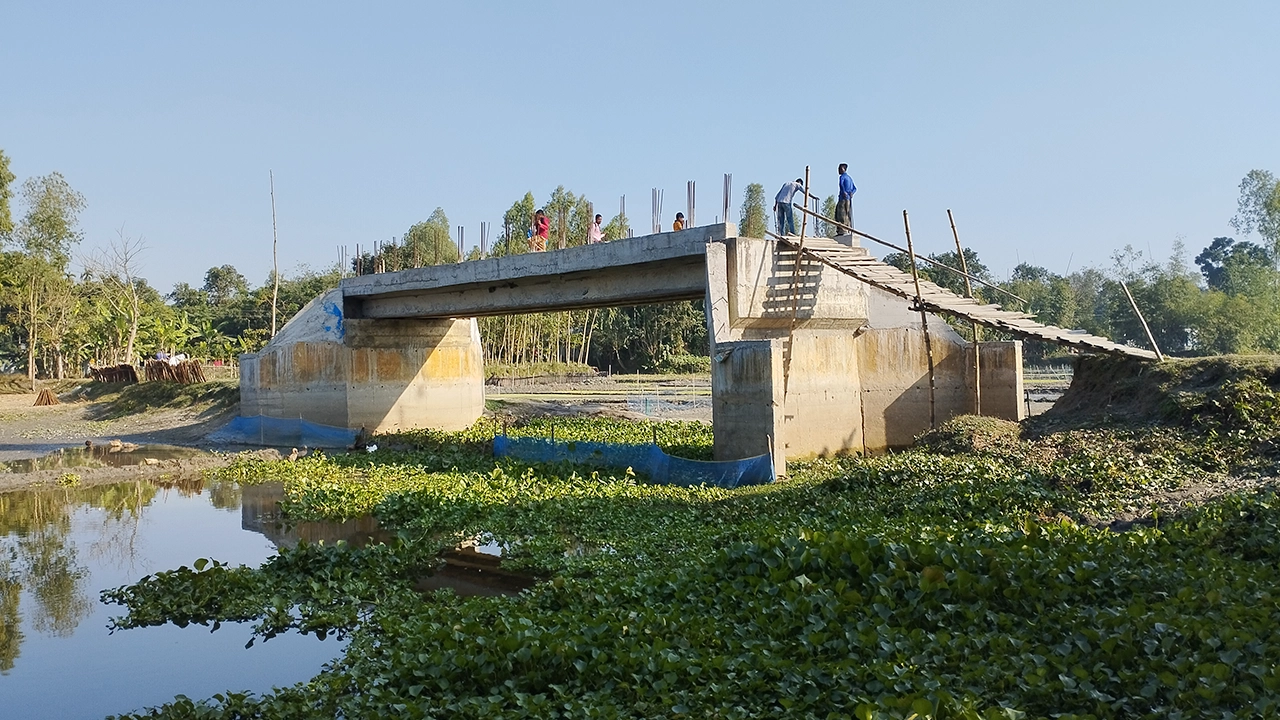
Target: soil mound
1222, 391
971, 434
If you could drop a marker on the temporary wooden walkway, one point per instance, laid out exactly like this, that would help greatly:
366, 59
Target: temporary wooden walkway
937, 299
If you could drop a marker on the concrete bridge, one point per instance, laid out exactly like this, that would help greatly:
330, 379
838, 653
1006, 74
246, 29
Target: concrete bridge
805, 360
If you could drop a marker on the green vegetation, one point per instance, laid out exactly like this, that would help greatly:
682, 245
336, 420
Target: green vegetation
753, 218
530, 370
979, 583
684, 365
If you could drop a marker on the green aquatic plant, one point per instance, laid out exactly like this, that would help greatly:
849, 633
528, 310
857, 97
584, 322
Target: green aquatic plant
965, 585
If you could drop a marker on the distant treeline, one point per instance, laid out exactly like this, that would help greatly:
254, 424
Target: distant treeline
53, 322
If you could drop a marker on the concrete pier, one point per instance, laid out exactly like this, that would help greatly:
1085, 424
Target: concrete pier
814, 362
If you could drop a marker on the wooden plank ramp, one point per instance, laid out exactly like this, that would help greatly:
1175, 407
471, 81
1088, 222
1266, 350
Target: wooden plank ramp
937, 299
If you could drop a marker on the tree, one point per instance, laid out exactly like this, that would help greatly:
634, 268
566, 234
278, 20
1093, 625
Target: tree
617, 228
1167, 295
753, 220
44, 239
224, 284
828, 210
6, 194
516, 221
428, 243
1229, 266
577, 214
642, 337
116, 269
1259, 208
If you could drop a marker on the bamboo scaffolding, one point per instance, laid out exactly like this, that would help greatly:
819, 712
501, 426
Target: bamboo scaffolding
890, 245
977, 341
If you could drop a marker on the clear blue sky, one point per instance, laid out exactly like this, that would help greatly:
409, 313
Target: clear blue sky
1057, 132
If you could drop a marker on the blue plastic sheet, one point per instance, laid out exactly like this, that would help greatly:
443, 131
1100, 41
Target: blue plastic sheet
649, 459
283, 432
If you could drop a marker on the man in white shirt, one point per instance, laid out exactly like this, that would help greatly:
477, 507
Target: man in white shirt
782, 207
594, 233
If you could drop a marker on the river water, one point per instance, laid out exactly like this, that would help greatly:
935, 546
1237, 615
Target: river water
59, 547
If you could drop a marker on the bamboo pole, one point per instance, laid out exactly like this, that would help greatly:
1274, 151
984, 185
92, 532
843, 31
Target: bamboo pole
924, 321
275, 262
977, 347
1150, 338
890, 245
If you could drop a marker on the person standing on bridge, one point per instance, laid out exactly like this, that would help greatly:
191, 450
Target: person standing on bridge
782, 210
541, 232
844, 205
678, 225
595, 233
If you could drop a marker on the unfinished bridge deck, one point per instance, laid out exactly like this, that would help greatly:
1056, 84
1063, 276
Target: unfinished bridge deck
634, 271
652, 268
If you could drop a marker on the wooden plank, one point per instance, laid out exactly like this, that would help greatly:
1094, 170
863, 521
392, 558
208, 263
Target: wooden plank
939, 300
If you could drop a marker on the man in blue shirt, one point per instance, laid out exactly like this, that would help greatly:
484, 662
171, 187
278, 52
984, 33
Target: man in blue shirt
782, 211
844, 205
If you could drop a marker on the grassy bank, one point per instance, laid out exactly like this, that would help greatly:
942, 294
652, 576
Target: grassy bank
974, 576
115, 400
14, 384
532, 370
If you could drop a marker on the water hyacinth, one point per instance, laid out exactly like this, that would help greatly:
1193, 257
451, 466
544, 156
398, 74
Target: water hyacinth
979, 583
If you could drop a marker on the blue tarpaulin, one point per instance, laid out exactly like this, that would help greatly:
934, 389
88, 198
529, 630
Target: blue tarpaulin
283, 432
649, 459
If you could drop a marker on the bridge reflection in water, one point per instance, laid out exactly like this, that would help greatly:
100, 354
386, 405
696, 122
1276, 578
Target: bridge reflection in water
468, 569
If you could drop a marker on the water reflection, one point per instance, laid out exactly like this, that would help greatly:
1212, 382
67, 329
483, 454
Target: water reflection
468, 571
37, 553
118, 454
260, 513
40, 556
473, 568
10, 633
60, 546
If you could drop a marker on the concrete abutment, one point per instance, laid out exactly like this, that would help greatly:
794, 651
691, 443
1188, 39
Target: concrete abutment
380, 375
